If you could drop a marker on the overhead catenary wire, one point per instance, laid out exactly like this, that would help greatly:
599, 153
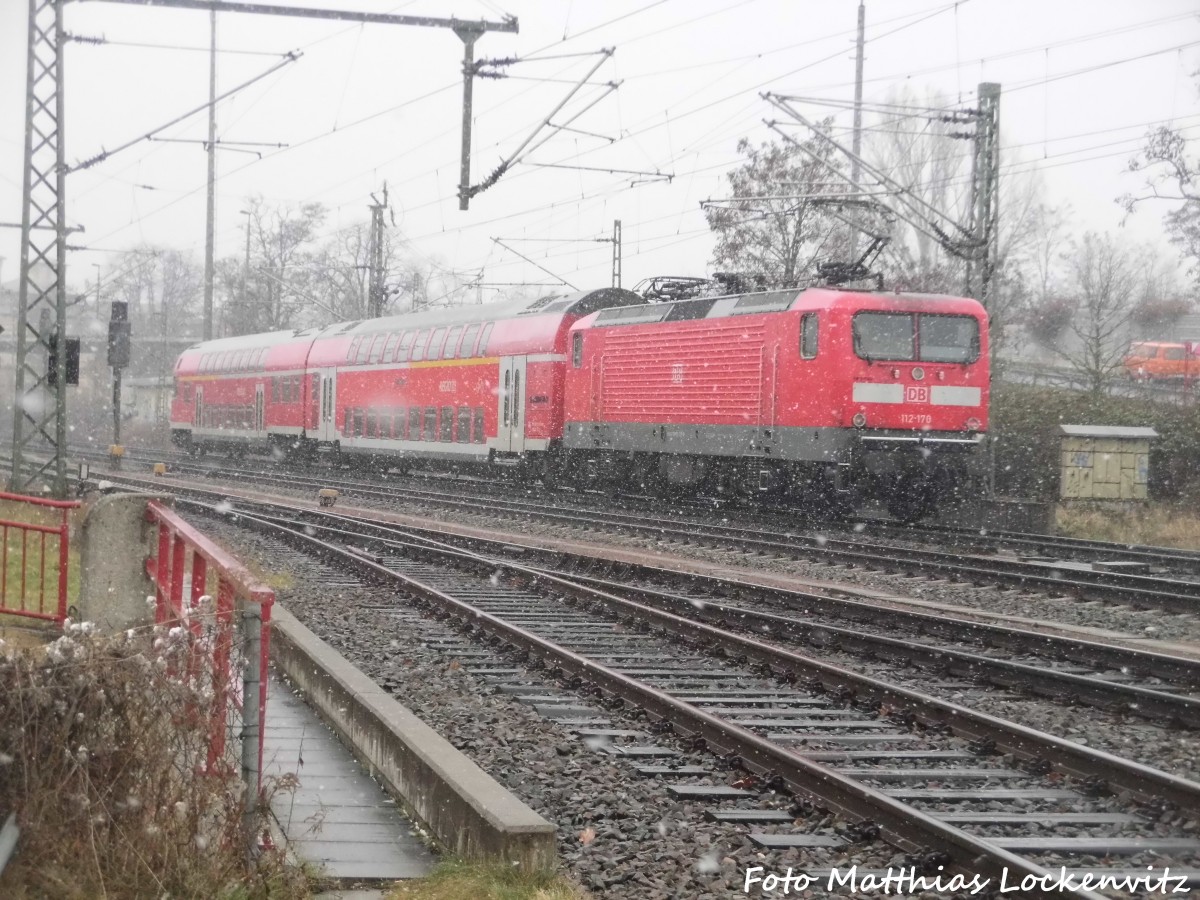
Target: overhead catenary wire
608, 189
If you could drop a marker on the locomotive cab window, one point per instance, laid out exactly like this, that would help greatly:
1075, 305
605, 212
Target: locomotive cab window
882, 335
904, 337
948, 339
577, 350
808, 336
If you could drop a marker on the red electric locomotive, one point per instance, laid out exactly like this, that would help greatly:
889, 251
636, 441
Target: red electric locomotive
820, 394
815, 395
464, 384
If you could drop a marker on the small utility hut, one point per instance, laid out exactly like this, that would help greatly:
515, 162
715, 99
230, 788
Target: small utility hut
1105, 462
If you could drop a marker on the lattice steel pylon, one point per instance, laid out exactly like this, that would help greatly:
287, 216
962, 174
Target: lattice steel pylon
39, 408
985, 195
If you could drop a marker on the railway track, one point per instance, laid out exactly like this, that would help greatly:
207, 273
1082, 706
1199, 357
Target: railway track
1027, 547
941, 781
1118, 579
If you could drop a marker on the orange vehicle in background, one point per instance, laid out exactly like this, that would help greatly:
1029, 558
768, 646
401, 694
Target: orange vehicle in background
1152, 360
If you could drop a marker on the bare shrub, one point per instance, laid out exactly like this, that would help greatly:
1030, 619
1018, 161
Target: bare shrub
104, 757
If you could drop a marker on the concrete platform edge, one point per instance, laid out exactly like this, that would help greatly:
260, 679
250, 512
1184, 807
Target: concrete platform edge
465, 809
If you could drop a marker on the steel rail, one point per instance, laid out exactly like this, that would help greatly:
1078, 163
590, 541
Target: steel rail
1138, 590
1089, 690
1144, 783
902, 825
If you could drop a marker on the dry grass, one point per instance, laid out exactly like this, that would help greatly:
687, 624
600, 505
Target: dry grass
457, 880
103, 745
1156, 524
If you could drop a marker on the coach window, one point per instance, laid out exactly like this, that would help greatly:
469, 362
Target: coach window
406, 340
577, 350
477, 429
389, 347
398, 421
463, 435
483, 340
435, 344
452, 342
418, 350
467, 347
372, 424
429, 431
352, 350
446, 425
377, 348
364, 348
414, 423
808, 336
349, 421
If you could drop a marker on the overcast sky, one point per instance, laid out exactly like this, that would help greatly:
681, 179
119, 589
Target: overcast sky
1082, 80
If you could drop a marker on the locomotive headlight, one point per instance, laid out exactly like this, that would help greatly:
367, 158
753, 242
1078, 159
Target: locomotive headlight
859, 420
918, 373
973, 424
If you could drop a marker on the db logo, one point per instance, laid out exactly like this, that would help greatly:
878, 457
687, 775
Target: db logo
916, 393
677, 373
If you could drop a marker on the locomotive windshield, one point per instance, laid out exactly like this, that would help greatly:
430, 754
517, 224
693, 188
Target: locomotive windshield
907, 337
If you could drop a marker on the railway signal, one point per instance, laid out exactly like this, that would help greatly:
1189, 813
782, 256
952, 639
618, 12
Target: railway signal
119, 332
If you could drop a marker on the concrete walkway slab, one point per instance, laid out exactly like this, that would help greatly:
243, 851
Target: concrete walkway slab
337, 817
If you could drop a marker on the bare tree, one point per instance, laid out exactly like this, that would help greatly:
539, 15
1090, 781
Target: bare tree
279, 284
769, 227
1172, 177
930, 158
1103, 282
932, 161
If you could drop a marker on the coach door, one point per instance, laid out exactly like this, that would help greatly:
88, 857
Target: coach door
510, 436
326, 388
259, 423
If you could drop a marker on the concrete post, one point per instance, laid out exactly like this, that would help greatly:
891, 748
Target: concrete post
114, 543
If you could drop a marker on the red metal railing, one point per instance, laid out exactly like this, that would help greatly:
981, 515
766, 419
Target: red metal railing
183, 562
25, 550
